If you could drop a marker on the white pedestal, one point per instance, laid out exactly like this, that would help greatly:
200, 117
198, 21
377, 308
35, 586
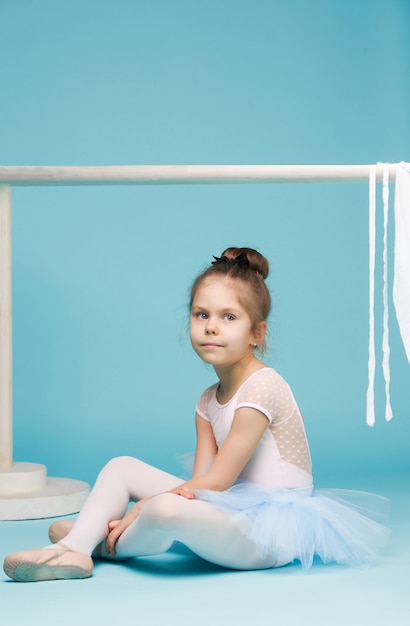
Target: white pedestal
27, 493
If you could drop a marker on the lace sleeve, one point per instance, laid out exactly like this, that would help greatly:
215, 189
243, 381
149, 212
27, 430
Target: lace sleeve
269, 393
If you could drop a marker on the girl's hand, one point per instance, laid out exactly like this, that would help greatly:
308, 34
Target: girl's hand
113, 524
117, 527
185, 492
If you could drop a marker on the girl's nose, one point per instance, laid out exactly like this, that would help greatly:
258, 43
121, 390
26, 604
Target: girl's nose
210, 328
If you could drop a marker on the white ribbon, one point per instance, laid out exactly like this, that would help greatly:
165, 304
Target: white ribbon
385, 343
370, 415
401, 282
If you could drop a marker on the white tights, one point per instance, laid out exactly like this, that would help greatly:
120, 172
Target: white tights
202, 527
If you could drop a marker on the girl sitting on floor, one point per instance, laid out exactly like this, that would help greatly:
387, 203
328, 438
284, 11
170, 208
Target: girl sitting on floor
250, 503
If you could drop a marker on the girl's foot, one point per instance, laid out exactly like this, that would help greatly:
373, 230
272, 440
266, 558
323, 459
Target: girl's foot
60, 563
59, 529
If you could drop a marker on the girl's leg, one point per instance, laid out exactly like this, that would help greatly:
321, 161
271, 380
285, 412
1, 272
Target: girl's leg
206, 530
121, 480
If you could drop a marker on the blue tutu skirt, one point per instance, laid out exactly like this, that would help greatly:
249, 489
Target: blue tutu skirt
342, 526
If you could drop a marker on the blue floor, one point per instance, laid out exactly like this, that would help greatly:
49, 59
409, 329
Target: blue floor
178, 588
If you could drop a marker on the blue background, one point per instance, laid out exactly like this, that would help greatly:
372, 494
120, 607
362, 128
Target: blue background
102, 361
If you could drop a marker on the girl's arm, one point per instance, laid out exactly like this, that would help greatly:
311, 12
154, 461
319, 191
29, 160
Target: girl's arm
206, 448
245, 433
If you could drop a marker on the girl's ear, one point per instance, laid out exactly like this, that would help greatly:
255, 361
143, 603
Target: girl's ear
259, 332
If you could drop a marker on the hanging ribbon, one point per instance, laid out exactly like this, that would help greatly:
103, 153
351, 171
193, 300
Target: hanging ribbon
370, 410
370, 415
385, 342
401, 282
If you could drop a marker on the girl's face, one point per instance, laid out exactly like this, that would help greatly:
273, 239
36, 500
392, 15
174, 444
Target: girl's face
220, 328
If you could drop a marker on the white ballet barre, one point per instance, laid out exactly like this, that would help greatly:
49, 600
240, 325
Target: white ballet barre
25, 491
187, 174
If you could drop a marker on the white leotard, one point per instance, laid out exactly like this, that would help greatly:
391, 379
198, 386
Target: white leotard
282, 458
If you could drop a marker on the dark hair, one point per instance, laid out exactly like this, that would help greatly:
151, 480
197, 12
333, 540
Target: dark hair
251, 269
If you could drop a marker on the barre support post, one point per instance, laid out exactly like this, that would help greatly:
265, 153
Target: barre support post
6, 401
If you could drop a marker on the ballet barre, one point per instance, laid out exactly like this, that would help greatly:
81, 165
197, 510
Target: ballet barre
187, 174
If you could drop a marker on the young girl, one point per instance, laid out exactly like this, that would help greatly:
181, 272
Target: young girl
250, 503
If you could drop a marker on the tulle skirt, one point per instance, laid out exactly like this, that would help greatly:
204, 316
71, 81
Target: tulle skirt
336, 525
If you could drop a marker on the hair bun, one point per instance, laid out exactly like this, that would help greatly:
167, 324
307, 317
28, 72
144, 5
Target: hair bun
257, 261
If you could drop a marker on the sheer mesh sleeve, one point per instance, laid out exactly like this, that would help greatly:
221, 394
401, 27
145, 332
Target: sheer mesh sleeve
269, 393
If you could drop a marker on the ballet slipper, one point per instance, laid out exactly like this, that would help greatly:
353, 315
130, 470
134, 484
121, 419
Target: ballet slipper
59, 529
55, 564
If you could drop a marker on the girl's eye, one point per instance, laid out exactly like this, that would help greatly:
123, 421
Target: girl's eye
202, 316
229, 317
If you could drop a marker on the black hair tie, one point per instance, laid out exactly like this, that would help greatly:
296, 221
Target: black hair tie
240, 261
